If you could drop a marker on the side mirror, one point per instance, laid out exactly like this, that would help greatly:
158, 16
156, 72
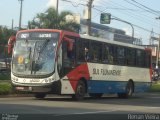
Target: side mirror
69, 43
11, 41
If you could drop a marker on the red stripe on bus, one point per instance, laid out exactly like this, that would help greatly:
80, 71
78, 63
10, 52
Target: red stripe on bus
77, 74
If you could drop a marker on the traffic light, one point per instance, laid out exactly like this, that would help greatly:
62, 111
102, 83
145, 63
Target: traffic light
105, 18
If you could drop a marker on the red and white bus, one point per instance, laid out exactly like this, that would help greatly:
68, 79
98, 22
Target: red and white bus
55, 61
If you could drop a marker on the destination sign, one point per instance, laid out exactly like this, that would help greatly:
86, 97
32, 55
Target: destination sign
27, 35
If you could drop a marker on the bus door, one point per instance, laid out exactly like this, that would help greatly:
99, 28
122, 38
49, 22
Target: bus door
68, 55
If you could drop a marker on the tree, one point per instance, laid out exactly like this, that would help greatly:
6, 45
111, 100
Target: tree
5, 33
51, 20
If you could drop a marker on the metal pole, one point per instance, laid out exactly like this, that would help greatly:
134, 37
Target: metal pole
89, 17
157, 60
20, 17
12, 23
57, 7
127, 23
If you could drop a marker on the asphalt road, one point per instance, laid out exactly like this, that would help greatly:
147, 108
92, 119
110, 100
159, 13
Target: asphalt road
63, 107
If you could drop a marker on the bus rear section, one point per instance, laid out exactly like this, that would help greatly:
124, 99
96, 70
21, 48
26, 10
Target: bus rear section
61, 62
108, 67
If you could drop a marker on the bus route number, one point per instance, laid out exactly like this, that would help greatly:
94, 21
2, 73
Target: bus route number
45, 35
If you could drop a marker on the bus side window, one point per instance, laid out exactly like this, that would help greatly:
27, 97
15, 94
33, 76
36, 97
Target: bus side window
120, 56
96, 51
83, 50
140, 58
111, 56
147, 59
130, 57
106, 56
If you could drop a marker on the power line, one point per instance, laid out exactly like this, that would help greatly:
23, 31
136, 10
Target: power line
144, 6
142, 19
151, 12
135, 15
76, 4
132, 24
124, 9
130, 14
114, 16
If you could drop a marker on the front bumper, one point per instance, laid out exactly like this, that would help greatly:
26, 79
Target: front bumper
54, 87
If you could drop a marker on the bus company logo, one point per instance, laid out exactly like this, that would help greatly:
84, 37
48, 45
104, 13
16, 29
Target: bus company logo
106, 72
34, 81
9, 117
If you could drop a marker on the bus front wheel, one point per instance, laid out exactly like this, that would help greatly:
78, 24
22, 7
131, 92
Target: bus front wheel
40, 95
129, 90
80, 91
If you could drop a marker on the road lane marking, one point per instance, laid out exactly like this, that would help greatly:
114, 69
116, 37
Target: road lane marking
83, 113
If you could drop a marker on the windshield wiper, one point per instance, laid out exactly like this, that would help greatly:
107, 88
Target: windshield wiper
44, 45
34, 66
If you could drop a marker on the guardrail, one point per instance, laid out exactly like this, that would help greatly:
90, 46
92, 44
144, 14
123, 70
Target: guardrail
5, 81
4, 70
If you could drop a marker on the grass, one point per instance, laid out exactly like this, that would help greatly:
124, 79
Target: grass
5, 77
155, 87
5, 88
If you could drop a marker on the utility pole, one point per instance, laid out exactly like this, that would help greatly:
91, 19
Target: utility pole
12, 23
20, 17
89, 16
57, 7
157, 60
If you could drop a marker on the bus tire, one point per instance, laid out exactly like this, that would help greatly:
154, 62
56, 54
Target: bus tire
80, 91
40, 95
129, 90
96, 95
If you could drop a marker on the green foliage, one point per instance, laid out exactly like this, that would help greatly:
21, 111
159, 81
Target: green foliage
5, 88
51, 20
5, 77
155, 87
5, 33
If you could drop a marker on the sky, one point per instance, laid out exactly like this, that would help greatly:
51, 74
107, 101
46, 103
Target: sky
123, 9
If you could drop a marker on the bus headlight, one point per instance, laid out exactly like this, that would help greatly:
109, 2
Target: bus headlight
48, 80
15, 79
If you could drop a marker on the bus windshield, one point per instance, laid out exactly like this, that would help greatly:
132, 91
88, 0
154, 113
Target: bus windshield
34, 56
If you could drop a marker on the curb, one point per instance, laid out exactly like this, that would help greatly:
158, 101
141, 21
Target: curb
16, 95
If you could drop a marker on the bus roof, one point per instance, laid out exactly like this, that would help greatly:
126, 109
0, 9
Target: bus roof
112, 42
85, 37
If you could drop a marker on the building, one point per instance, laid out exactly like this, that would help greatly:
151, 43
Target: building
109, 33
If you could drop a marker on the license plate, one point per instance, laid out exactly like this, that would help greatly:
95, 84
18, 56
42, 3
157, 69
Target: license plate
24, 88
